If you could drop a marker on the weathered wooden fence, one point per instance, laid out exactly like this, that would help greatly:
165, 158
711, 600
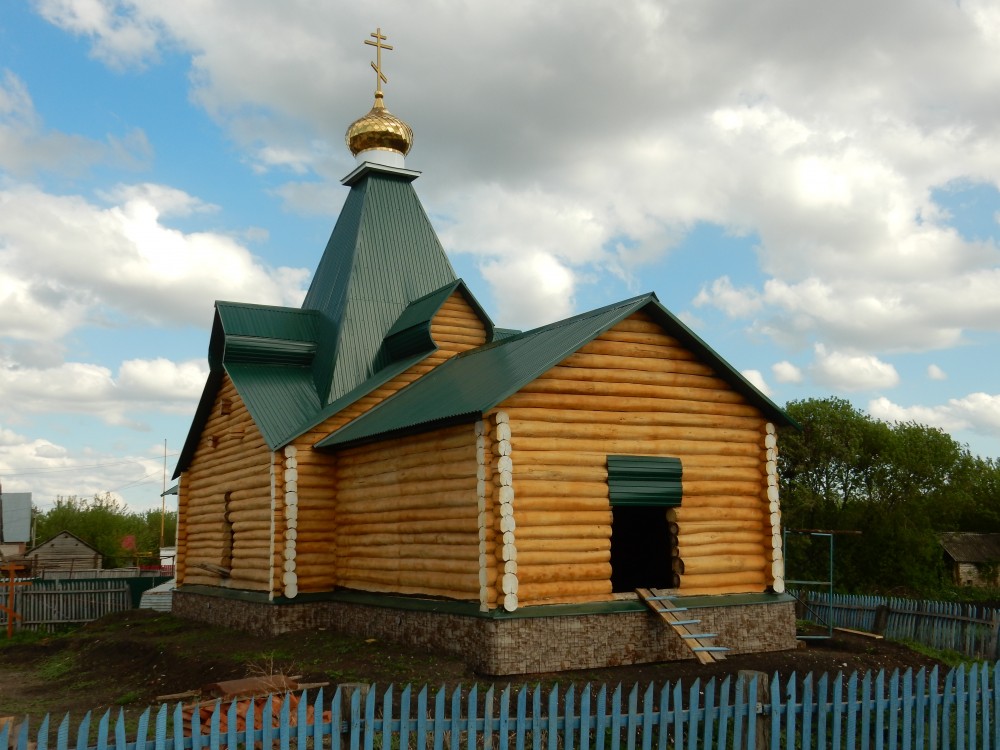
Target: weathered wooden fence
48, 605
967, 629
919, 710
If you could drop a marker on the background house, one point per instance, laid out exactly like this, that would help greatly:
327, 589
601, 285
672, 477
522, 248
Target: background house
64, 553
15, 523
973, 559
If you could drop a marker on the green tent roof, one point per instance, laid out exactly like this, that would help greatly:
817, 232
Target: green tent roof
467, 385
382, 255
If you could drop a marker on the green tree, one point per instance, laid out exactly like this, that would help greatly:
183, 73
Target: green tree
896, 484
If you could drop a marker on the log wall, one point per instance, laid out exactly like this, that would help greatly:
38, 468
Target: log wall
636, 391
307, 554
407, 517
224, 501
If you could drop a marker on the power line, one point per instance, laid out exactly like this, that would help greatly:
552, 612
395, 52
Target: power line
74, 468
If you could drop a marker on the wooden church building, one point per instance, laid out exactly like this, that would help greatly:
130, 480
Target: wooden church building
385, 461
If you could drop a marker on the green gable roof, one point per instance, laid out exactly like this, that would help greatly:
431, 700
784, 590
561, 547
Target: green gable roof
469, 384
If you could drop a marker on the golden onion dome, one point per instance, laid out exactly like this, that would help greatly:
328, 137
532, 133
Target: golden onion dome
379, 130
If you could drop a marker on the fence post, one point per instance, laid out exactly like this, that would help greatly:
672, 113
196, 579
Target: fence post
762, 729
881, 618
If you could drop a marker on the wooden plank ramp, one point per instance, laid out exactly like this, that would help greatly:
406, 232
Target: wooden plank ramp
701, 644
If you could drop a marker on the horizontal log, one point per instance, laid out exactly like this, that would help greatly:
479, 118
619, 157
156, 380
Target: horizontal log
719, 487
430, 473
347, 494
417, 579
460, 453
439, 526
544, 459
570, 544
393, 588
405, 551
596, 531
655, 338
741, 518
531, 593
730, 536
529, 559
525, 501
431, 442
626, 349
383, 537
689, 551
636, 372
680, 448
413, 565
526, 485
594, 402
735, 588
525, 428
564, 386
620, 362
752, 577
664, 418
348, 522
546, 519
727, 564
566, 573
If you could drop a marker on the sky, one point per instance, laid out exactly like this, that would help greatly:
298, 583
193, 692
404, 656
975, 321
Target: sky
812, 187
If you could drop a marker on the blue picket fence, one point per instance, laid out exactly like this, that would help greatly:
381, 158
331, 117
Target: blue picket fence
907, 710
967, 629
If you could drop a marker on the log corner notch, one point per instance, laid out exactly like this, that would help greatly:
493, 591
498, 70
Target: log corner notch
774, 509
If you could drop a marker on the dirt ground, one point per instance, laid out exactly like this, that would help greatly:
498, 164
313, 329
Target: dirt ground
128, 660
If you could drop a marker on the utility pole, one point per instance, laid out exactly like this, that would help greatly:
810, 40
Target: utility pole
1, 512
163, 500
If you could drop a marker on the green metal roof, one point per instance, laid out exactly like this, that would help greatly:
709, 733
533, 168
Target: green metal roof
383, 255
471, 383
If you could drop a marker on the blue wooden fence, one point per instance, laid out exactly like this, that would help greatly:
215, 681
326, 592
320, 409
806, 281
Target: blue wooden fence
922, 710
967, 629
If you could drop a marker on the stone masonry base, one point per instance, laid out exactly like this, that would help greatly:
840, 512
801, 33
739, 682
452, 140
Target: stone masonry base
511, 645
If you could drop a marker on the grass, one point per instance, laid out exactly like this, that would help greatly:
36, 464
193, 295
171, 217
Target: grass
949, 657
58, 666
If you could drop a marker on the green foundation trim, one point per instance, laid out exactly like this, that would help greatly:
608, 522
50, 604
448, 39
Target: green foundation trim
469, 609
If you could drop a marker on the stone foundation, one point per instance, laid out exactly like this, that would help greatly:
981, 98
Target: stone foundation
535, 641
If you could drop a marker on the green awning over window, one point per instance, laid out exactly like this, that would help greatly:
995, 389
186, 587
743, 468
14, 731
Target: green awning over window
644, 480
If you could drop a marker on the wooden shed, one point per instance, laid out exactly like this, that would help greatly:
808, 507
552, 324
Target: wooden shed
384, 460
973, 559
63, 554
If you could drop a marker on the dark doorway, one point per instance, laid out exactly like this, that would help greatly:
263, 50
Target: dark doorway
640, 548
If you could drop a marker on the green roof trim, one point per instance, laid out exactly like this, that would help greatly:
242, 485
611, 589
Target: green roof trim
476, 381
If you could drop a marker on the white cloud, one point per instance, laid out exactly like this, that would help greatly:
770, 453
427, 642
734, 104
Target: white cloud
140, 386
979, 412
786, 372
736, 303
936, 373
124, 264
757, 379
821, 131
851, 372
122, 36
48, 470
530, 291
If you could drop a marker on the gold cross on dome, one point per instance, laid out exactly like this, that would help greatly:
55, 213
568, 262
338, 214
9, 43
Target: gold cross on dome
377, 66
